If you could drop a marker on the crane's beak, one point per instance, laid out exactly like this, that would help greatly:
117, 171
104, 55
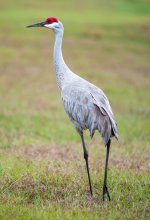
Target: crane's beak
41, 24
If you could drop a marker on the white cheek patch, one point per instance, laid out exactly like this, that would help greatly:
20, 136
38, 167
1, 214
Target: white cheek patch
51, 26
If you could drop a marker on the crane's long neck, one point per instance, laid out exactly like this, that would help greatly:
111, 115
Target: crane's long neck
61, 69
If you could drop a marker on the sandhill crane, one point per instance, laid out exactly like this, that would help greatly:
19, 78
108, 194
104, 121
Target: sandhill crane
86, 105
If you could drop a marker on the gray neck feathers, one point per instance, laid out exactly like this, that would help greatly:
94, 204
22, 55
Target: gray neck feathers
61, 69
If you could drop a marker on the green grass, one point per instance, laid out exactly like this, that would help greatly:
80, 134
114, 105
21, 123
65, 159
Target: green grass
42, 170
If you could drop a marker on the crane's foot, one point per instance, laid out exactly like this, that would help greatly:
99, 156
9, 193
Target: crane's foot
105, 191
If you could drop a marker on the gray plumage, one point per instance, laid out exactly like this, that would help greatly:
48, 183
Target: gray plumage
88, 108
86, 105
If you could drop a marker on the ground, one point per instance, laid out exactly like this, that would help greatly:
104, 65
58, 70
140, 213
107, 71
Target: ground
42, 170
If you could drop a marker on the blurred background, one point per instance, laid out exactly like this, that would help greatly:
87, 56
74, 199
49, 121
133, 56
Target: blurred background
107, 43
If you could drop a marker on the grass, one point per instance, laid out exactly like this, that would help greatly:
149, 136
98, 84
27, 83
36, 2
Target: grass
42, 170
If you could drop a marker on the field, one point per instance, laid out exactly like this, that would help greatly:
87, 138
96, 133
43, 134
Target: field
42, 170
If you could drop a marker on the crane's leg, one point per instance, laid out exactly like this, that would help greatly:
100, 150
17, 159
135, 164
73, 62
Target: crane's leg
105, 189
86, 160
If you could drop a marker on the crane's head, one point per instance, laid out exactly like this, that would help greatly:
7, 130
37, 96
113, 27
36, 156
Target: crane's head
50, 23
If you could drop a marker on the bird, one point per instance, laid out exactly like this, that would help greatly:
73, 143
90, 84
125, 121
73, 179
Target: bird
86, 105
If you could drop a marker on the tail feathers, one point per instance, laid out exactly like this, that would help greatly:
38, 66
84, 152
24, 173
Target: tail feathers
115, 131
102, 124
106, 126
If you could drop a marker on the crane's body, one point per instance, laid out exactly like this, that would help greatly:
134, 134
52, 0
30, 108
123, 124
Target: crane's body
88, 108
86, 105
